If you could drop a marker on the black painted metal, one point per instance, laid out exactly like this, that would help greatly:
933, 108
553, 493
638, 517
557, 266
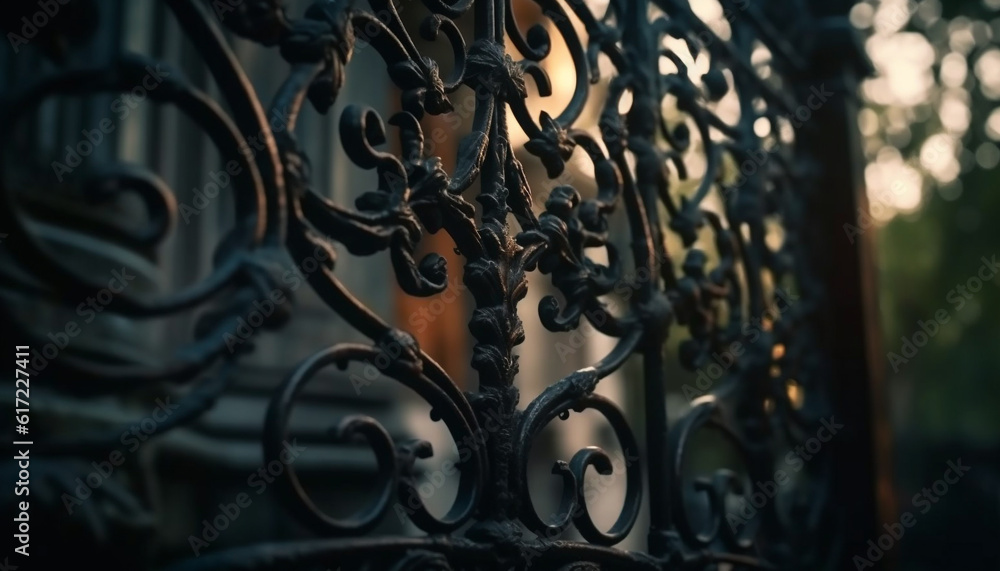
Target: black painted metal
493, 523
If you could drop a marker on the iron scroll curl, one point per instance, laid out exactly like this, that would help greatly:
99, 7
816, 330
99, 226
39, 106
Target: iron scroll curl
700, 231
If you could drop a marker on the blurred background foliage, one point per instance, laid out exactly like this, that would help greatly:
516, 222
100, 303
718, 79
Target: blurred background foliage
931, 122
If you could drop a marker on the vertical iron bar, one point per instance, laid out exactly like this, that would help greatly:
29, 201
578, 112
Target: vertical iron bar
656, 444
640, 46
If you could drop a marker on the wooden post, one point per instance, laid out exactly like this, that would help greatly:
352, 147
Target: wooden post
844, 261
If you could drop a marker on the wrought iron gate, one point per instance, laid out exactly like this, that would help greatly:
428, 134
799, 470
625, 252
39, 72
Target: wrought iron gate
785, 165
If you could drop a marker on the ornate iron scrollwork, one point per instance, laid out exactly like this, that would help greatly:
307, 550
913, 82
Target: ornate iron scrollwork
635, 157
